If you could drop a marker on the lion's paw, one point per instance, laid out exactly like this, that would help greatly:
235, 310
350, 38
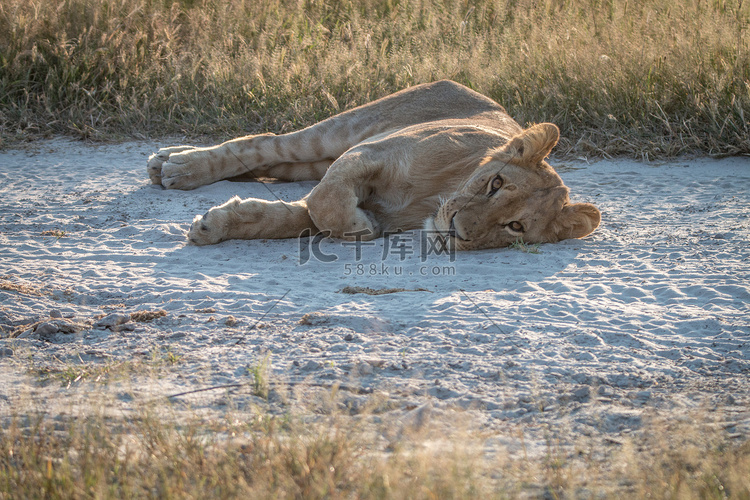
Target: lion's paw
189, 169
210, 228
156, 161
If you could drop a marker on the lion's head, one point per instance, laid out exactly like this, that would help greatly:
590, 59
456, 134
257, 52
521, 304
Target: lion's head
514, 194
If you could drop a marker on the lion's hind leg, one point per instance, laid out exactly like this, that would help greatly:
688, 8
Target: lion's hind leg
303, 171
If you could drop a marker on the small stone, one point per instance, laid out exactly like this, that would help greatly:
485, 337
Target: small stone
348, 337
312, 365
641, 396
113, 319
46, 329
55, 313
581, 394
363, 368
605, 391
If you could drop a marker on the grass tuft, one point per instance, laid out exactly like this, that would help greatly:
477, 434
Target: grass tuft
524, 247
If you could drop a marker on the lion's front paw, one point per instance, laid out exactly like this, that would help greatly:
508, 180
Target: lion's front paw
156, 161
210, 228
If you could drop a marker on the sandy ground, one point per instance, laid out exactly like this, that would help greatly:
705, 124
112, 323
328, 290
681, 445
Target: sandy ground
647, 316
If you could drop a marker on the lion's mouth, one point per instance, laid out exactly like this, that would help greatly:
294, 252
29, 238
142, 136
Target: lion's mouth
446, 238
452, 231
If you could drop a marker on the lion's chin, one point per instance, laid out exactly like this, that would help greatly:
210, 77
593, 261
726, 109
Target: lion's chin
430, 228
429, 225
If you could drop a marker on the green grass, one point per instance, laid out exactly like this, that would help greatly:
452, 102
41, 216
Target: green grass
647, 79
524, 247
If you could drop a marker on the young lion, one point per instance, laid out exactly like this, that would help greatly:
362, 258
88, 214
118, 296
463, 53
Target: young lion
438, 156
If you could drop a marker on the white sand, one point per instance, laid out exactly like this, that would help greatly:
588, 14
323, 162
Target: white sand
650, 314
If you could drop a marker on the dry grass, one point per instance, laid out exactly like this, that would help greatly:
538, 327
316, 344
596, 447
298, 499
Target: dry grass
146, 316
11, 284
269, 455
645, 79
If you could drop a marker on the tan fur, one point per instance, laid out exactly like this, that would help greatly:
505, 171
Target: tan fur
424, 157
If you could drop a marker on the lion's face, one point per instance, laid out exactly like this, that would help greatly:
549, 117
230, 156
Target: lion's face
514, 194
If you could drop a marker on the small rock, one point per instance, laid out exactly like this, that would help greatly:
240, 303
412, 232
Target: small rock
363, 368
231, 321
641, 396
5, 351
312, 365
55, 313
605, 391
46, 329
581, 394
348, 337
314, 319
113, 319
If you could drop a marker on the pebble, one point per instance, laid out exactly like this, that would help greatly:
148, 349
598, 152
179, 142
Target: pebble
312, 365
581, 394
55, 313
606, 391
362, 368
113, 319
46, 329
641, 396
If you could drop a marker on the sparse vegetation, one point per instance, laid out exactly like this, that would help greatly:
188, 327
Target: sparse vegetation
645, 79
522, 246
165, 356
72, 373
260, 372
284, 456
146, 316
56, 233
13, 284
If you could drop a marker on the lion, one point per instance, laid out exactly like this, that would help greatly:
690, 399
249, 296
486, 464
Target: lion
437, 156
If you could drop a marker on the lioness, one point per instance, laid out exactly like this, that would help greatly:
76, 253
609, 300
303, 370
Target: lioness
438, 156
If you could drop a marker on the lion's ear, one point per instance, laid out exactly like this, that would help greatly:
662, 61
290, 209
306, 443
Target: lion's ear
576, 221
534, 144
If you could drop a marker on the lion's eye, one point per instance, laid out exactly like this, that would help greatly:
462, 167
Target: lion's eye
516, 226
495, 184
